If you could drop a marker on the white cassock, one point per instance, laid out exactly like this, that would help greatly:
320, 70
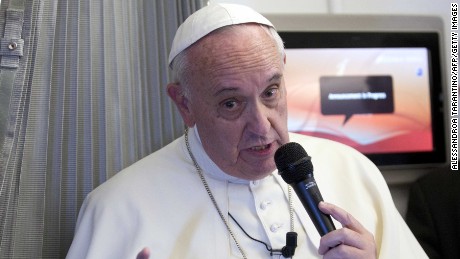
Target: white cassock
160, 202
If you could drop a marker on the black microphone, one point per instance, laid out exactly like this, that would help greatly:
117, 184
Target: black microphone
295, 167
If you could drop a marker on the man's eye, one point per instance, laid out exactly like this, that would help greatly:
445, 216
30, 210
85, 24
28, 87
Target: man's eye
231, 109
271, 92
229, 104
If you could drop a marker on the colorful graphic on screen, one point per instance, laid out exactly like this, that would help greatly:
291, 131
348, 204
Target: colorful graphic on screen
376, 100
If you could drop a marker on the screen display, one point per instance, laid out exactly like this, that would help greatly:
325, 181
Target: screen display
376, 100
379, 92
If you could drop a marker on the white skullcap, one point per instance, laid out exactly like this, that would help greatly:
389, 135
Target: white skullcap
210, 18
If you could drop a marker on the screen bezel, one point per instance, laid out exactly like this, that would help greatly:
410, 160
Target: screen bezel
389, 39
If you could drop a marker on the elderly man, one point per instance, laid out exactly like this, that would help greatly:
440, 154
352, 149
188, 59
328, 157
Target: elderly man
215, 192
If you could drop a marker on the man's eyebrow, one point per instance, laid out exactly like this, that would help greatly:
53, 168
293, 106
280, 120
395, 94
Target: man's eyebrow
275, 77
228, 89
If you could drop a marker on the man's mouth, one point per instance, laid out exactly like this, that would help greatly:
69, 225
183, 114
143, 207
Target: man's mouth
260, 148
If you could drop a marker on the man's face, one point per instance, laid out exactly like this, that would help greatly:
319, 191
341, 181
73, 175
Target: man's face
238, 100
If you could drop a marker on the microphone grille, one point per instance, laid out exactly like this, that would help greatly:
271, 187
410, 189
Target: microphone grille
293, 162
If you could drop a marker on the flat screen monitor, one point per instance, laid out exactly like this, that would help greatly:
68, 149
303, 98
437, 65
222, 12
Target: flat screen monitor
378, 91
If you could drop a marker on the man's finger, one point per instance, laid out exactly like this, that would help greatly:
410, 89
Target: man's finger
144, 254
345, 218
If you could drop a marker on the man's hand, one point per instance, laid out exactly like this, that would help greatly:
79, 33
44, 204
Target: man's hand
144, 254
351, 241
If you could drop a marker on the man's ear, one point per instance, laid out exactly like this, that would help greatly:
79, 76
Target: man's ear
176, 93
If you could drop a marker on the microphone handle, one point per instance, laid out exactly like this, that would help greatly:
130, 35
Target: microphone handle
309, 195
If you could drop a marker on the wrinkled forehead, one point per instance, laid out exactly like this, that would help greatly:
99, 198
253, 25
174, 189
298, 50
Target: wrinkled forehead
234, 42
232, 53
209, 19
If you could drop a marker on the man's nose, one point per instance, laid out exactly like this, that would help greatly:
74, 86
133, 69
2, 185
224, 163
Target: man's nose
258, 120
